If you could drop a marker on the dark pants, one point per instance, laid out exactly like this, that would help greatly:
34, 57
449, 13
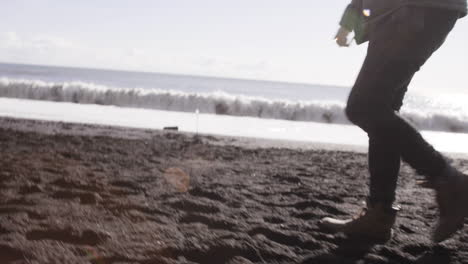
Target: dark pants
399, 45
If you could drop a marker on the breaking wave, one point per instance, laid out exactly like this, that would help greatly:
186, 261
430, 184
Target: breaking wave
216, 103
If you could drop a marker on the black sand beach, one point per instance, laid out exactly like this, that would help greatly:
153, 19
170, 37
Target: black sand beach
87, 194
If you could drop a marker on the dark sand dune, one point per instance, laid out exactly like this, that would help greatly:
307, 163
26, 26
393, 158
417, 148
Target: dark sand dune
84, 194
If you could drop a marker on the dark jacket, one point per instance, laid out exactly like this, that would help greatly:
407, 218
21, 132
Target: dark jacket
359, 13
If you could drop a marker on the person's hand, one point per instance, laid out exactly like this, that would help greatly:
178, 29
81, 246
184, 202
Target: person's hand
341, 37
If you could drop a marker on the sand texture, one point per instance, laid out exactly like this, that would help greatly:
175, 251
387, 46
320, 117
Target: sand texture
88, 194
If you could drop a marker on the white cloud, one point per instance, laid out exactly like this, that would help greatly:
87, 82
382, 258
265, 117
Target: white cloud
49, 49
34, 49
52, 50
11, 40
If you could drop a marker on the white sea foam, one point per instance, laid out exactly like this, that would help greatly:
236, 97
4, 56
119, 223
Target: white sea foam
216, 102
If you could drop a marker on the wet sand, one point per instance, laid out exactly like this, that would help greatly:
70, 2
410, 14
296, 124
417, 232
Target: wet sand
90, 194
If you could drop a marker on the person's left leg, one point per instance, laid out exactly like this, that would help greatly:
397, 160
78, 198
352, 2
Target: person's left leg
371, 106
384, 160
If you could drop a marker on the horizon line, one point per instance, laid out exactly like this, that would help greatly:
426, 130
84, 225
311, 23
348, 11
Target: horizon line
174, 74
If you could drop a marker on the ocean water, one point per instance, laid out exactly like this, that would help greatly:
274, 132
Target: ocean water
219, 96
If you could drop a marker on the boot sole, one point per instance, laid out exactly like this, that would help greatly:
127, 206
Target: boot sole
356, 236
460, 223
449, 235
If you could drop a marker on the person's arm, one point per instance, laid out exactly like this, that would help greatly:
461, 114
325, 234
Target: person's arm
351, 16
348, 22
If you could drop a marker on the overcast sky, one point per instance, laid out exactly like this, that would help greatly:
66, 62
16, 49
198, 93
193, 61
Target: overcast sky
256, 39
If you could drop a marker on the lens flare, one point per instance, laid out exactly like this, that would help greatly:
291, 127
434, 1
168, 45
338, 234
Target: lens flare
366, 12
178, 179
93, 255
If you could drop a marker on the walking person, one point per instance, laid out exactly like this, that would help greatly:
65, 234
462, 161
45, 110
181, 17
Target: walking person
402, 35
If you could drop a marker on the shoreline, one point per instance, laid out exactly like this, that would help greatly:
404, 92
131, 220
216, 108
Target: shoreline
83, 129
72, 128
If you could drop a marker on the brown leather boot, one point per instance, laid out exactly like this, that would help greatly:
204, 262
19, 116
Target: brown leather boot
373, 223
452, 199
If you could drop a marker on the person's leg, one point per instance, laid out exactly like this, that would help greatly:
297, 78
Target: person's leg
395, 53
371, 106
384, 166
384, 161
379, 91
